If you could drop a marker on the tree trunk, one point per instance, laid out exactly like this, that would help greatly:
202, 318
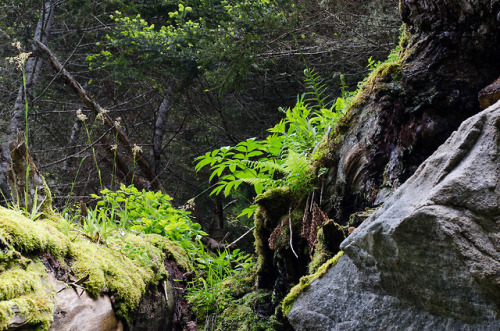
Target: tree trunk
159, 133
27, 185
32, 71
219, 211
451, 53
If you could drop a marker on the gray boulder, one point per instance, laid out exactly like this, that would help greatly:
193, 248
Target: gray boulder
429, 258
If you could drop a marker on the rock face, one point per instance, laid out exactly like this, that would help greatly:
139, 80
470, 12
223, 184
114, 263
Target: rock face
451, 54
429, 259
75, 312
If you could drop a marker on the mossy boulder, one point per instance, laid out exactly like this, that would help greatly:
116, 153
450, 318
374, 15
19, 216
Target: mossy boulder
123, 268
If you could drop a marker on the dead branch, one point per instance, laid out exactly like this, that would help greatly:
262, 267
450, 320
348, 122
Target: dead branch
143, 164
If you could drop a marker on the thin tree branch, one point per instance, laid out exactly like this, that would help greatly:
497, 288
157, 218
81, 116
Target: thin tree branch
144, 165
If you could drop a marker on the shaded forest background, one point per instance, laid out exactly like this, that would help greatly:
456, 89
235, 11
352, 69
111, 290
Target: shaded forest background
207, 74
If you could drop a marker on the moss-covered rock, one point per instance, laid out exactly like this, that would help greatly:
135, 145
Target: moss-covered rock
124, 267
305, 281
329, 237
273, 204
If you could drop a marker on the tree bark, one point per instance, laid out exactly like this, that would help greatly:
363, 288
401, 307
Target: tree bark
27, 185
159, 133
32, 71
451, 53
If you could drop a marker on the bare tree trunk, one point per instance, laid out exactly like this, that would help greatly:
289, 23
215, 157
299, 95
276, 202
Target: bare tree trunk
160, 127
28, 186
72, 142
32, 71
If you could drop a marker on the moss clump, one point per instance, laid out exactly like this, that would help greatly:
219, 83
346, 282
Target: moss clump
329, 237
378, 79
23, 293
305, 282
172, 251
124, 266
241, 313
27, 236
123, 272
36, 308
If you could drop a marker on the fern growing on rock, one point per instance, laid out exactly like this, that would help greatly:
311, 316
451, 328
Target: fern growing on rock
284, 157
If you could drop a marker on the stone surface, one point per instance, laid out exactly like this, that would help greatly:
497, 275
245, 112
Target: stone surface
429, 259
490, 94
451, 54
76, 311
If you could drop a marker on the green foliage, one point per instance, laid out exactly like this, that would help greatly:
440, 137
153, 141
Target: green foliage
206, 293
196, 37
151, 213
147, 212
97, 225
35, 211
283, 158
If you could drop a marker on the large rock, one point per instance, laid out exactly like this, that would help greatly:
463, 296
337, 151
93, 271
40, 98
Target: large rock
452, 53
77, 311
429, 259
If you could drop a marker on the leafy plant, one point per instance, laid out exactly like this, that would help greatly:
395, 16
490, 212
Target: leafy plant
283, 158
214, 269
151, 212
98, 224
148, 212
34, 213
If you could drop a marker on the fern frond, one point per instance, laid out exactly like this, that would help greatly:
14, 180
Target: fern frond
296, 164
265, 166
316, 90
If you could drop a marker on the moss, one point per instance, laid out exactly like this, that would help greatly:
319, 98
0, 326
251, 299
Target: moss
276, 202
172, 251
124, 267
37, 310
46, 207
31, 237
125, 270
18, 280
305, 282
23, 293
241, 314
330, 236
384, 73
321, 253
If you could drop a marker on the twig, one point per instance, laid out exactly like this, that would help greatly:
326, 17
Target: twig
165, 288
321, 193
243, 235
290, 225
312, 201
144, 165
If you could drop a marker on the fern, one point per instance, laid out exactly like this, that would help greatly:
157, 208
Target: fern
316, 89
283, 158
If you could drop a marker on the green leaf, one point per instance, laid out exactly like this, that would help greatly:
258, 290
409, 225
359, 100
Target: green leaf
202, 163
248, 212
227, 189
